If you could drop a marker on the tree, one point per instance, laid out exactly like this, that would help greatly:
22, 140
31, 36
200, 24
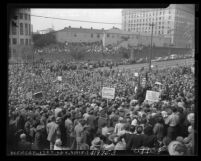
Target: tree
43, 40
125, 52
77, 52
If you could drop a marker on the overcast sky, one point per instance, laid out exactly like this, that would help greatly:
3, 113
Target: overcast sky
98, 15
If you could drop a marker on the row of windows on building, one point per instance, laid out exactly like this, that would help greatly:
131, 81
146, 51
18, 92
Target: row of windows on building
152, 13
22, 41
147, 19
24, 16
25, 29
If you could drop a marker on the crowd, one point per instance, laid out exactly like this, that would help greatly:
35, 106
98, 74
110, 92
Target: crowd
91, 48
72, 115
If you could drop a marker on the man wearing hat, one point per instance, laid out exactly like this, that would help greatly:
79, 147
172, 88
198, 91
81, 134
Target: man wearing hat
52, 129
23, 144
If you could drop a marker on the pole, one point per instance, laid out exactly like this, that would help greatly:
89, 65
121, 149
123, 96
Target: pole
152, 25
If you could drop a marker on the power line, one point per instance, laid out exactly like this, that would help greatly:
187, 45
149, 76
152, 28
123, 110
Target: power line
75, 20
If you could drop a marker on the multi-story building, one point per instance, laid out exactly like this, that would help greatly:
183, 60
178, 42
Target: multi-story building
20, 31
114, 37
175, 22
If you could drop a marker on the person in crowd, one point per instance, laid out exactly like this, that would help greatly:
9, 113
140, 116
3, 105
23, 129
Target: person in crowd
52, 131
24, 144
172, 122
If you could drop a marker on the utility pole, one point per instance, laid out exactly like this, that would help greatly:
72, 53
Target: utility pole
152, 25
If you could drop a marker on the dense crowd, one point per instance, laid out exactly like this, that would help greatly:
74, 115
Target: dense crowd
91, 48
71, 114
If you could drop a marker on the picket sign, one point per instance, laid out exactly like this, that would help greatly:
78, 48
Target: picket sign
108, 93
59, 78
152, 96
136, 74
193, 70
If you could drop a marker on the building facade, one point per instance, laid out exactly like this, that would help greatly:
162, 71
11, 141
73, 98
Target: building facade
114, 37
175, 22
20, 31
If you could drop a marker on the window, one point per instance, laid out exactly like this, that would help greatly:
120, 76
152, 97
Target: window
22, 41
14, 41
14, 30
98, 35
21, 28
108, 35
29, 29
27, 42
21, 16
91, 35
26, 29
75, 35
14, 51
25, 16
29, 17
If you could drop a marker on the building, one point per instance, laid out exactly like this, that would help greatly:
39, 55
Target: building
114, 37
20, 31
175, 22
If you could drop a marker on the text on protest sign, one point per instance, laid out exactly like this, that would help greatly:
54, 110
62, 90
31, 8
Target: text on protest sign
108, 93
152, 96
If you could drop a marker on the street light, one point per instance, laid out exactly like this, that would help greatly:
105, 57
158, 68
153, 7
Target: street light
152, 25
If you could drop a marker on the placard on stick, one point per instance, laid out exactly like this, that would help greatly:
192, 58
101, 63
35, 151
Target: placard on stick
108, 92
152, 96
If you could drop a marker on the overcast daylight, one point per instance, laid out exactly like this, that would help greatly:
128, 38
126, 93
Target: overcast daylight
102, 82
96, 15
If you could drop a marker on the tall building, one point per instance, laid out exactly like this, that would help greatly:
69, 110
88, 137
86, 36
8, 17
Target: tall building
175, 22
20, 31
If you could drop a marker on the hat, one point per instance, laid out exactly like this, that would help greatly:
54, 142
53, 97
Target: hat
23, 136
96, 142
58, 119
121, 119
176, 148
58, 142
40, 127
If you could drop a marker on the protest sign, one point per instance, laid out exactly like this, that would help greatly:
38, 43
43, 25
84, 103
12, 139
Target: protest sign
29, 95
193, 70
59, 78
38, 95
108, 92
152, 96
136, 74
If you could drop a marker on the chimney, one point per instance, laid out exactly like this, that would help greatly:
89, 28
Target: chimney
102, 28
69, 27
80, 26
91, 28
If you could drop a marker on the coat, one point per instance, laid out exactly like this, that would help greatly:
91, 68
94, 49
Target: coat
24, 145
52, 128
136, 141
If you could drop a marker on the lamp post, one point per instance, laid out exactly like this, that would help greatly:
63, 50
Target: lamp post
152, 25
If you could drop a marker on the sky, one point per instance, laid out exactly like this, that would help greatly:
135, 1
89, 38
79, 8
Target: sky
97, 15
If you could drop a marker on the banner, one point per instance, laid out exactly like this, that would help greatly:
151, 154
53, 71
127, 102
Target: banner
108, 93
152, 96
38, 95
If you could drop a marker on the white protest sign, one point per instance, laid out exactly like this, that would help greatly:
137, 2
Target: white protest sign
136, 74
193, 70
59, 78
108, 92
152, 96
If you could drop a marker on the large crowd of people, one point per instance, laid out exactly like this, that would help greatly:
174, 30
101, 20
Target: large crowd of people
63, 109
